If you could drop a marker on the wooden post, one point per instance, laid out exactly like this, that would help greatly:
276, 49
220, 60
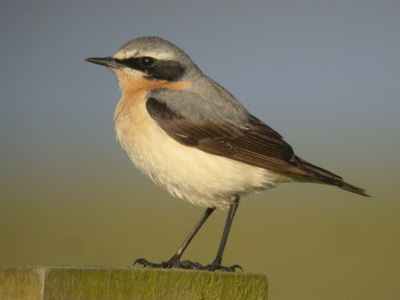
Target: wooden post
56, 283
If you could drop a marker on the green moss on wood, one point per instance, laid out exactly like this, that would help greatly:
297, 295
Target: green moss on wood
120, 284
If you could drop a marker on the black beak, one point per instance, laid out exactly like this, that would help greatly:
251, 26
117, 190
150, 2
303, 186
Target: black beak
109, 62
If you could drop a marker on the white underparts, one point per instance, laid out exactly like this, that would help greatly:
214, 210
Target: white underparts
196, 176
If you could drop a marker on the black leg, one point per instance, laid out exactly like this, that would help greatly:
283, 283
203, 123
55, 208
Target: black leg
175, 260
216, 265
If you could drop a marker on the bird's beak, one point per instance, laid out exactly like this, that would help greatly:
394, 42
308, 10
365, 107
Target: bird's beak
109, 62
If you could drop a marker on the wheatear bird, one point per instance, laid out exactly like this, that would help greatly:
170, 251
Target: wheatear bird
194, 139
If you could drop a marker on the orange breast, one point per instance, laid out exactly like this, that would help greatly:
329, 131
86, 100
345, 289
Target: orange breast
131, 116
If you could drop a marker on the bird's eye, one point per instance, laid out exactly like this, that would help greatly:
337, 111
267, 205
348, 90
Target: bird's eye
147, 61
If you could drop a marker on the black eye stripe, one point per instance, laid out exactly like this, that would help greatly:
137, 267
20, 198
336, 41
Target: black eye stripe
135, 62
169, 70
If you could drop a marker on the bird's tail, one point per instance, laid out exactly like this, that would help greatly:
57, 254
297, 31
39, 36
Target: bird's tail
324, 176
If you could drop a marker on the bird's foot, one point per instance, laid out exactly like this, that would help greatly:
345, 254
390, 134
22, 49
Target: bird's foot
145, 263
172, 263
186, 264
216, 267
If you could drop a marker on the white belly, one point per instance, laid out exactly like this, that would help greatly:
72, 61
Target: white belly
196, 176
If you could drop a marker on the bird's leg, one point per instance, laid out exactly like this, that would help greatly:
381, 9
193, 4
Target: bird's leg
175, 262
216, 264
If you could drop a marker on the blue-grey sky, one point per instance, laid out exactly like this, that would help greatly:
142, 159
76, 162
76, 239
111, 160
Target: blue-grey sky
326, 75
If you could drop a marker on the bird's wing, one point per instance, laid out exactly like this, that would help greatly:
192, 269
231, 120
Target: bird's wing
255, 144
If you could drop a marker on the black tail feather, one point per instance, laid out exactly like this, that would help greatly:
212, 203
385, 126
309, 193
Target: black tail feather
324, 176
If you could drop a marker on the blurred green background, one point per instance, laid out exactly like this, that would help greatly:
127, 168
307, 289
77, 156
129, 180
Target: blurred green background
326, 75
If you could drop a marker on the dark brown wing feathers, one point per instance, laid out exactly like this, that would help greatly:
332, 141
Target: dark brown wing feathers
255, 144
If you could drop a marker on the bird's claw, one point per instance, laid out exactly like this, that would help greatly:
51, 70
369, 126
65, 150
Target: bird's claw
213, 268
145, 263
186, 264
172, 263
